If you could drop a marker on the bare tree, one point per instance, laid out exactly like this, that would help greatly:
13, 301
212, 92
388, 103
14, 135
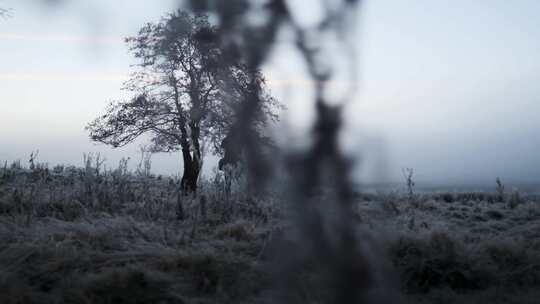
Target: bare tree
184, 92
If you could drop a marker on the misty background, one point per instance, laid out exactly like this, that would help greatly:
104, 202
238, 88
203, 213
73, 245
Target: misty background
447, 88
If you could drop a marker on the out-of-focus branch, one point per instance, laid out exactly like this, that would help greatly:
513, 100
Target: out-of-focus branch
5, 12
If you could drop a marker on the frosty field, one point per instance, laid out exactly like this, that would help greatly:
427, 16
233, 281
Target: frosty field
84, 236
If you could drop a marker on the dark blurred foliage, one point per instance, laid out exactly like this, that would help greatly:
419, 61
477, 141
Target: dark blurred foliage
340, 258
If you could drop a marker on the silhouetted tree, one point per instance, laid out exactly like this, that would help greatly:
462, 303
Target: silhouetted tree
184, 92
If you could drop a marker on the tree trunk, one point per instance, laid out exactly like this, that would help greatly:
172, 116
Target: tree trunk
191, 173
188, 184
192, 162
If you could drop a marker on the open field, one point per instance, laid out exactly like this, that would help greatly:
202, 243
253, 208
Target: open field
86, 235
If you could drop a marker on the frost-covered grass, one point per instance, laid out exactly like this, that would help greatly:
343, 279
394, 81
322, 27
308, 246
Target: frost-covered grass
449, 248
89, 235
85, 236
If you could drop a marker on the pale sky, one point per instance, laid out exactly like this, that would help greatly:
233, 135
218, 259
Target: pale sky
448, 88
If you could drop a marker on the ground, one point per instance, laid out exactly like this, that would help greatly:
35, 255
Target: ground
74, 235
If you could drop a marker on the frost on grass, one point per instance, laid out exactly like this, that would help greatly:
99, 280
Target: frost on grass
62, 244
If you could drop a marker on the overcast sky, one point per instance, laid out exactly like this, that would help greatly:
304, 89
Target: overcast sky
449, 88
